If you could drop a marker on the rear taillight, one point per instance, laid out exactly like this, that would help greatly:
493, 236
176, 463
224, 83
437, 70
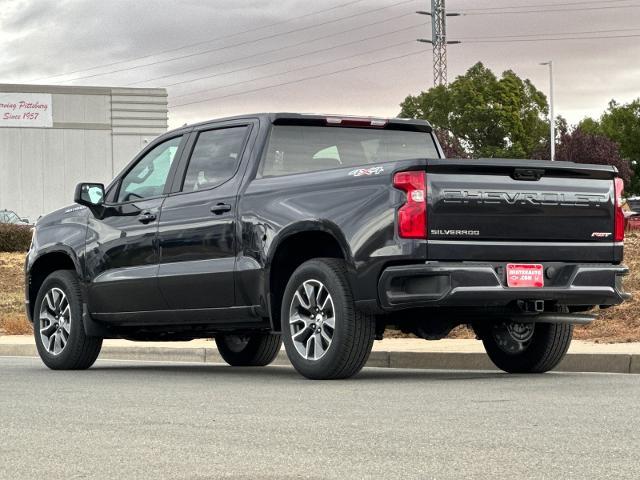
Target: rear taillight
412, 216
618, 228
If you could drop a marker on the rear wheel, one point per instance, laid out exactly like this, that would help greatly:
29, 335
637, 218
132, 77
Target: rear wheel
58, 329
255, 350
526, 347
323, 333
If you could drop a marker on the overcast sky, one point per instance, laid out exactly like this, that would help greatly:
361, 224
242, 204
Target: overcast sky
40, 39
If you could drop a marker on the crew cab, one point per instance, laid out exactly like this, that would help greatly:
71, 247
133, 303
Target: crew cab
320, 232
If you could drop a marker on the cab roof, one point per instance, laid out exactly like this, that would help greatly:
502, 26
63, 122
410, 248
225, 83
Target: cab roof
317, 119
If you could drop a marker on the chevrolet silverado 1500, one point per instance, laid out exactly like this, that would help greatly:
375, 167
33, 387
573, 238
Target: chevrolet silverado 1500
321, 231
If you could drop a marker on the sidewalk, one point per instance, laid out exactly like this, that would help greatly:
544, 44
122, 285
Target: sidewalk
393, 353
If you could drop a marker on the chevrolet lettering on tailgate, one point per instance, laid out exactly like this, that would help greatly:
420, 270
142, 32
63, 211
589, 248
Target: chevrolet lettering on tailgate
533, 198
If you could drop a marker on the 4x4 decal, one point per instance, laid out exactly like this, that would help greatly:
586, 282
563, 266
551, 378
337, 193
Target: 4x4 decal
359, 172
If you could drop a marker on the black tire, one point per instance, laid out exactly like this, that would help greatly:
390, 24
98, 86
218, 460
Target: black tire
353, 332
543, 352
80, 351
255, 350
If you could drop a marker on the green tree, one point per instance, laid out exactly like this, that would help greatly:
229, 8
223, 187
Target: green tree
621, 123
589, 125
490, 116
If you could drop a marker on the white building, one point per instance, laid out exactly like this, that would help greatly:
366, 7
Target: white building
53, 137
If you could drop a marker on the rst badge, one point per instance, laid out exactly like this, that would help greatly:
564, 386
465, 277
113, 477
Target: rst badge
360, 172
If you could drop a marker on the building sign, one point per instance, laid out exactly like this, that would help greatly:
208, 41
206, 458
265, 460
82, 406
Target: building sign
25, 110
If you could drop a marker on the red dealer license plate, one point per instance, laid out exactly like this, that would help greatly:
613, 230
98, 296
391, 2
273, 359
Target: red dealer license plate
526, 275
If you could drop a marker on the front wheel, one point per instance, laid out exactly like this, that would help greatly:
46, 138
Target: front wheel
323, 333
526, 347
256, 350
57, 324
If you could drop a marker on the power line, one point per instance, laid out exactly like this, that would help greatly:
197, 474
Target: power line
305, 54
421, 52
245, 42
517, 40
196, 44
550, 34
583, 2
278, 74
469, 13
278, 49
469, 39
372, 37
342, 58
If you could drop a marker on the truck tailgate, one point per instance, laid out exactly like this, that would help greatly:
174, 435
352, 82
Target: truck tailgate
520, 210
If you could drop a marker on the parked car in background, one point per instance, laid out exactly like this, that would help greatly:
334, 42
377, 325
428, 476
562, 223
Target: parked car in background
9, 216
632, 215
634, 203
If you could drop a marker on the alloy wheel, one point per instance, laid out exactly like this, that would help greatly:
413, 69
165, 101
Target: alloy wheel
513, 337
55, 321
237, 343
312, 320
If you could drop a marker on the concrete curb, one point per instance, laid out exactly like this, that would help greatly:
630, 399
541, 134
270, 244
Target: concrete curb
573, 362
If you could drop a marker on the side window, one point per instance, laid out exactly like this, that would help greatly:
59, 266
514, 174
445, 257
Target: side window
149, 176
215, 158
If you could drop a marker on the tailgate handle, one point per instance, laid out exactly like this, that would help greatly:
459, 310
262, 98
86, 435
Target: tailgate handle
528, 174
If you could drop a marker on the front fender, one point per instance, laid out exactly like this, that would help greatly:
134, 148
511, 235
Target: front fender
56, 239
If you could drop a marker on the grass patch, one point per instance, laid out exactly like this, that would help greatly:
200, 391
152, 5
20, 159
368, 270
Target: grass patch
621, 323
12, 317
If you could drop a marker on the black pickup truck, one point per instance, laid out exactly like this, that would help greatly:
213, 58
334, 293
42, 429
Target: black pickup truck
321, 231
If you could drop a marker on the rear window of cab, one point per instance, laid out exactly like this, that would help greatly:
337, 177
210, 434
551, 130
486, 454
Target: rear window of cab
295, 149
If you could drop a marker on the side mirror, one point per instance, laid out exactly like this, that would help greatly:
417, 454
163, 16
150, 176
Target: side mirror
90, 195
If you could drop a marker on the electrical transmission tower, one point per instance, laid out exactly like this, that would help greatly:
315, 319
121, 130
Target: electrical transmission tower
438, 39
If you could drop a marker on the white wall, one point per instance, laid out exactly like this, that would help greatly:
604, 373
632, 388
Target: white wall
96, 132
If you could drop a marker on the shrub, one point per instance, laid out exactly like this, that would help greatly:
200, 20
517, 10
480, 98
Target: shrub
14, 238
583, 147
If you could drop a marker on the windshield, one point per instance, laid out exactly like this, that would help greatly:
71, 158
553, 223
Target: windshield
10, 217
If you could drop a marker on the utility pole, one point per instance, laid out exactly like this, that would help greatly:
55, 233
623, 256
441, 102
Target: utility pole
552, 121
438, 39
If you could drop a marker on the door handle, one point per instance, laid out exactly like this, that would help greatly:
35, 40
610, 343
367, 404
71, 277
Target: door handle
221, 208
146, 217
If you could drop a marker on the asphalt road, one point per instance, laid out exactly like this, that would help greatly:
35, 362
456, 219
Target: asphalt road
124, 420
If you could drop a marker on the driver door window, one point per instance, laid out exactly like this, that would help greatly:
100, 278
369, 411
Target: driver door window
149, 176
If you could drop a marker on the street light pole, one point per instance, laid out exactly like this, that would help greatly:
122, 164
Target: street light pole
551, 114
